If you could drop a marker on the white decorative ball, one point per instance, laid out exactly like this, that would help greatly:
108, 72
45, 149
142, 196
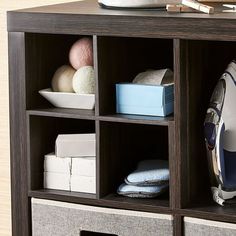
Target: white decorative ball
62, 79
84, 80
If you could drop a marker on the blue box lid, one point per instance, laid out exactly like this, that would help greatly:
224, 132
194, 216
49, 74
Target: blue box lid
144, 95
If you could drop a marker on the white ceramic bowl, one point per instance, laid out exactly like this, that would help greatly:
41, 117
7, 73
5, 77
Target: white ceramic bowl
69, 100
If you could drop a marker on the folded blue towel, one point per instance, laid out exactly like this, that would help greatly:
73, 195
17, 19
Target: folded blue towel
149, 172
141, 192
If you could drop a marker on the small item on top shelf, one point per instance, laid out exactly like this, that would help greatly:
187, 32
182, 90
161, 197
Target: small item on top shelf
179, 8
151, 93
198, 6
220, 137
75, 145
84, 80
142, 191
62, 79
155, 77
232, 7
217, 1
149, 172
137, 4
81, 53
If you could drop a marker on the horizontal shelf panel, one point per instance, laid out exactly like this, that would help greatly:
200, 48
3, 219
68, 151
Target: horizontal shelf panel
112, 200
138, 119
212, 211
64, 113
154, 204
60, 194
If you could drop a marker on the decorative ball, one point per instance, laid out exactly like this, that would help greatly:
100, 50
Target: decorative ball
81, 53
62, 79
84, 81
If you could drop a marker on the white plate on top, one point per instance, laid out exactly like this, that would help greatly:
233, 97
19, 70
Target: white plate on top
69, 100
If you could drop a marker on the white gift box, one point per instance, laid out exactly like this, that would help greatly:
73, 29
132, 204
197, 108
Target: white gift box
75, 145
57, 164
85, 166
83, 184
57, 181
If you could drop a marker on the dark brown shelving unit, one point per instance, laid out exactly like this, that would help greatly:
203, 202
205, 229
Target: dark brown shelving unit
197, 47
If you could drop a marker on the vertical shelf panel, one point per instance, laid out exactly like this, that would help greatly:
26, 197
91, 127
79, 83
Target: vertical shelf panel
180, 194
98, 169
173, 163
178, 225
19, 190
96, 71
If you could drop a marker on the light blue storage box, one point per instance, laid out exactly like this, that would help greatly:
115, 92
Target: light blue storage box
142, 99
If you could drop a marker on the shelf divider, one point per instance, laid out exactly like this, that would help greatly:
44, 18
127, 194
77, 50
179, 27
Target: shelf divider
111, 200
63, 113
19, 200
137, 119
60, 194
180, 193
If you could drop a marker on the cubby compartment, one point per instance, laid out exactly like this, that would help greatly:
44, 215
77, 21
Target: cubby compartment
122, 147
205, 61
44, 54
42, 135
121, 59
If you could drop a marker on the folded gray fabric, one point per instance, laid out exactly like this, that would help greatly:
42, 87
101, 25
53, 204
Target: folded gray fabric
141, 192
148, 173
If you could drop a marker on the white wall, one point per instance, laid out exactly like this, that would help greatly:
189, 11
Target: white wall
5, 5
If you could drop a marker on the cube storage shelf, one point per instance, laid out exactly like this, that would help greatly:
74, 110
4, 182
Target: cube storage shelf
124, 43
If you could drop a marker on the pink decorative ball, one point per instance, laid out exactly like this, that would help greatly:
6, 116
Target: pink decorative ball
81, 53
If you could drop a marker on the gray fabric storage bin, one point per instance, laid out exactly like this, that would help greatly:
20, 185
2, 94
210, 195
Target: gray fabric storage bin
200, 227
53, 218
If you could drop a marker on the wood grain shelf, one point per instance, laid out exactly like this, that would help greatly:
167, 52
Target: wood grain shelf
60, 195
64, 113
136, 119
134, 203
211, 211
160, 205
90, 115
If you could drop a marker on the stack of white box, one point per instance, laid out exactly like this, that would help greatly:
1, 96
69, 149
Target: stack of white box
73, 167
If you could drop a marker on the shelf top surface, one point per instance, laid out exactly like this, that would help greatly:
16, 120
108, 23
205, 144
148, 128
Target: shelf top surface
88, 18
91, 7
